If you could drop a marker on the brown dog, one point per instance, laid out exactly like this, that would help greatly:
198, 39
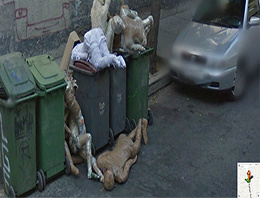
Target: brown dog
134, 36
116, 164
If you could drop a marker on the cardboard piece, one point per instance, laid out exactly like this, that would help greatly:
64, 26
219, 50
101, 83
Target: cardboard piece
73, 39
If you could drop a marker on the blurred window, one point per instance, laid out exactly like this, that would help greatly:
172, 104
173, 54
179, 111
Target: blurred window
253, 8
224, 13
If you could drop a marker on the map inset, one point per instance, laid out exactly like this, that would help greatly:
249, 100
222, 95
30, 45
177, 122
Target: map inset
248, 180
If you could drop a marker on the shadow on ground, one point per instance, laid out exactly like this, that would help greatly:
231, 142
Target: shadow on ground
215, 97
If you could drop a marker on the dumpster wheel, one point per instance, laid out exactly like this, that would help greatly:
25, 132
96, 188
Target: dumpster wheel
12, 192
150, 117
111, 137
43, 178
127, 125
40, 182
132, 125
67, 166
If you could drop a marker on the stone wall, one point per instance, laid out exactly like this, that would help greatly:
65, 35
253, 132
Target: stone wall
36, 27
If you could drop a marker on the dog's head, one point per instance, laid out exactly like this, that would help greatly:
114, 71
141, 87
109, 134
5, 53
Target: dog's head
125, 10
109, 180
98, 3
118, 25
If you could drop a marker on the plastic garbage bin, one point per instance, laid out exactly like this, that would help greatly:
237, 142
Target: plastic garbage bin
117, 118
18, 126
51, 85
138, 66
93, 98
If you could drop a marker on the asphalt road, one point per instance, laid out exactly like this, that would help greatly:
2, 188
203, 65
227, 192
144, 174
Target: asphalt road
194, 146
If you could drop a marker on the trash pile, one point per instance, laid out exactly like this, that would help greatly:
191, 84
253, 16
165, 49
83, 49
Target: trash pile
128, 28
126, 33
53, 118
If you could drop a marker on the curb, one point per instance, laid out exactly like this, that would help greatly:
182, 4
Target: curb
158, 81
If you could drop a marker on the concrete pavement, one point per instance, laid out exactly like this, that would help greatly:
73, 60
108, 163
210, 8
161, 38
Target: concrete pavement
194, 146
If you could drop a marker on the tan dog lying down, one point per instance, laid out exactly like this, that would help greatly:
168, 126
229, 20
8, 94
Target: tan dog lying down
116, 164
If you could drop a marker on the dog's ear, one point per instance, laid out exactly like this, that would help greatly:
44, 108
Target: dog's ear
109, 16
102, 2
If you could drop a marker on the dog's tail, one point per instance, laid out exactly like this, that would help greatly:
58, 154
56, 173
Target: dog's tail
122, 3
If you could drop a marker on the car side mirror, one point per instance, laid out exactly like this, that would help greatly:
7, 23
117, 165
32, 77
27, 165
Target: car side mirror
254, 21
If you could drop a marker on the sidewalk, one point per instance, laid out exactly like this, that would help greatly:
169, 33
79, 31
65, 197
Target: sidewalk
170, 27
171, 24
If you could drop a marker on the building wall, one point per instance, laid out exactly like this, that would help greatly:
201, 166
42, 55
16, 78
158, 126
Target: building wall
36, 27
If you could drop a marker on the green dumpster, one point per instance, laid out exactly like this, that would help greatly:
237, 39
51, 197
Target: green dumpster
138, 66
17, 125
51, 85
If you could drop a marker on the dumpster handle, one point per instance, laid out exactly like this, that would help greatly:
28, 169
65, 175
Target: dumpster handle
27, 98
132, 96
148, 51
57, 87
11, 105
42, 87
72, 67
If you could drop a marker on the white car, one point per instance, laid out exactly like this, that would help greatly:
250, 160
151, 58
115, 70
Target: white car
220, 48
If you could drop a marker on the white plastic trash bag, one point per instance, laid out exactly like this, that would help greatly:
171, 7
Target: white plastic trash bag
94, 50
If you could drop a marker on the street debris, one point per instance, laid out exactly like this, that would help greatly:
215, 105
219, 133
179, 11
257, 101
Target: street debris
72, 41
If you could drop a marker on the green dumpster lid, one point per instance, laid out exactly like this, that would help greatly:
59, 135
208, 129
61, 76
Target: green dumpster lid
15, 76
46, 72
137, 55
